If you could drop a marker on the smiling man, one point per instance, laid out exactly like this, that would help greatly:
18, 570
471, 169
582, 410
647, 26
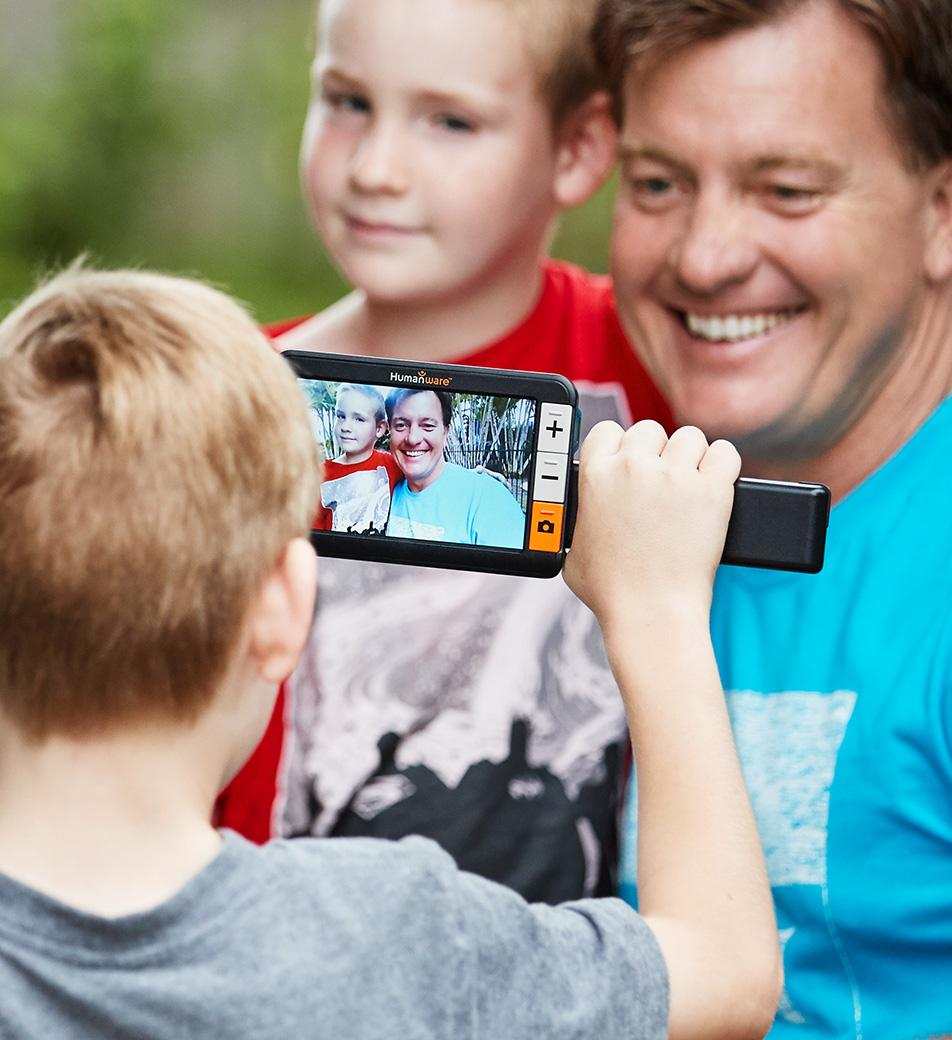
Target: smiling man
440, 500
783, 261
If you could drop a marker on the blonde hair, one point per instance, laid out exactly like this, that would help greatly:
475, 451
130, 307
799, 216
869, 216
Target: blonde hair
155, 459
558, 36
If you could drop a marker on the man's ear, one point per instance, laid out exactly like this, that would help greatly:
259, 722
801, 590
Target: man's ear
938, 257
282, 612
585, 151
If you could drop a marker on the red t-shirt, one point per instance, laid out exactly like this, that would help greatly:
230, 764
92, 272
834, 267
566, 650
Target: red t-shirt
573, 331
324, 519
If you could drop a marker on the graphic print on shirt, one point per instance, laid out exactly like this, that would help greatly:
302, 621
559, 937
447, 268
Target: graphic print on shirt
360, 502
429, 701
787, 743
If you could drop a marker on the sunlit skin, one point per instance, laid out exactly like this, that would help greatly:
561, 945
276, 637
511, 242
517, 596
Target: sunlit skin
417, 438
356, 427
762, 184
424, 125
434, 173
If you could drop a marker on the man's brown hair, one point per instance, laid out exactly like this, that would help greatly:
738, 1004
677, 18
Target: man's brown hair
914, 38
155, 459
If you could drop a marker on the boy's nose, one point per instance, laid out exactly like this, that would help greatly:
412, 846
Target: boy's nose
378, 164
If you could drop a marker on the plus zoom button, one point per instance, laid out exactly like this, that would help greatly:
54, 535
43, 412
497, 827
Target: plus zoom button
555, 428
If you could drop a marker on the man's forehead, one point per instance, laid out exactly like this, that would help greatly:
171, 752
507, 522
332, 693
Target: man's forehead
424, 403
792, 156
802, 90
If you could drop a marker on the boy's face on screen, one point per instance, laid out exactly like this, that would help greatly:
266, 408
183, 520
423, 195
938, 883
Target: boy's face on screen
417, 438
428, 156
356, 425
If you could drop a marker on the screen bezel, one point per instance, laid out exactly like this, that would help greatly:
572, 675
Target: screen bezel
540, 387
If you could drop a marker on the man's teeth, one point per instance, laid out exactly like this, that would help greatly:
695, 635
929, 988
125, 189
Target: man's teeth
733, 327
414, 454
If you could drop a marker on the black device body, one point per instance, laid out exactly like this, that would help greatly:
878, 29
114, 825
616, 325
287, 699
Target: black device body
774, 524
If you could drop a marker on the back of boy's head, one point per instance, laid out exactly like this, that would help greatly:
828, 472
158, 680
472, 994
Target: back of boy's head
155, 459
557, 35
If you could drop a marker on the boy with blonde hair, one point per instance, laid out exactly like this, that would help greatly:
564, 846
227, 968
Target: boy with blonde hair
441, 143
359, 480
157, 473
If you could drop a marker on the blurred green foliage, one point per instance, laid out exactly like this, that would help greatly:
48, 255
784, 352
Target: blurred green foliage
164, 133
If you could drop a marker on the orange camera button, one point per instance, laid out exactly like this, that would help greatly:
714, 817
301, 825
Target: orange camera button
545, 531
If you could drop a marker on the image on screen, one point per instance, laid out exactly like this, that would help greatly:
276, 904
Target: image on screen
403, 462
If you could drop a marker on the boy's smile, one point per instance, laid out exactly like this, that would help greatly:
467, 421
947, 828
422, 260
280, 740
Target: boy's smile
425, 125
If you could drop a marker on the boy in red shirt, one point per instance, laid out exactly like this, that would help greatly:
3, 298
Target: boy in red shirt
358, 482
441, 143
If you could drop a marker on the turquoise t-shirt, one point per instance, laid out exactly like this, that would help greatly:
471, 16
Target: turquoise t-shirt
461, 505
840, 692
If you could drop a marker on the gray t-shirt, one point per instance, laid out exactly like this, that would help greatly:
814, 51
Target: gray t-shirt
330, 938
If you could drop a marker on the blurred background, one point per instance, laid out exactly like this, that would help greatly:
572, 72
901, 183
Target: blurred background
164, 133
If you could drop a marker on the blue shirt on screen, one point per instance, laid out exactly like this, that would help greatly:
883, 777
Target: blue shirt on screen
461, 505
840, 692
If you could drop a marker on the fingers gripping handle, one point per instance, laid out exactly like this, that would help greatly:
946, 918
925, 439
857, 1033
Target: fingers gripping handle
775, 524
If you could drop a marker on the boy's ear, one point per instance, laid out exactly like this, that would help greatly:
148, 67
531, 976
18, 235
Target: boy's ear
938, 258
282, 612
585, 151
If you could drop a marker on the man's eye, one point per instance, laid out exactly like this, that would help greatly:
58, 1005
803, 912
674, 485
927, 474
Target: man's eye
456, 124
340, 416
653, 192
792, 198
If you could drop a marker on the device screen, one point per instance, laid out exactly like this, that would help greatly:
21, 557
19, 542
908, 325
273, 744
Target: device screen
429, 465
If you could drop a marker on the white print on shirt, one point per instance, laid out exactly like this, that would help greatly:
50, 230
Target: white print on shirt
360, 501
380, 794
401, 527
788, 743
448, 661
786, 1010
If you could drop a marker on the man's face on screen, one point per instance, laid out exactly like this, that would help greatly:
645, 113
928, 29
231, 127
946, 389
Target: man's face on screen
417, 438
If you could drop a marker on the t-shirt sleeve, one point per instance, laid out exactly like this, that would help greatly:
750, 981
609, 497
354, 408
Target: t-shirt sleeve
394, 473
498, 518
591, 968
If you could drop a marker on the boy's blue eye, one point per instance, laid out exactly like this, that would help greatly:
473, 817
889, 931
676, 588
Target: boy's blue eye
345, 102
653, 185
457, 124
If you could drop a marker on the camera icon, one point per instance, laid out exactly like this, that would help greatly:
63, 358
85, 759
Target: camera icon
545, 527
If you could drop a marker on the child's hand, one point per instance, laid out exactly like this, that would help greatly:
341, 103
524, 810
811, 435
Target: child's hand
652, 518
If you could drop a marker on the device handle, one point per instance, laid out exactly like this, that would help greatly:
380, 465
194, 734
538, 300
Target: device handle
776, 524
